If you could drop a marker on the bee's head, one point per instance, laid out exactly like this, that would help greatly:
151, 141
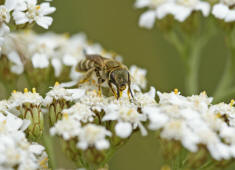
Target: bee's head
120, 78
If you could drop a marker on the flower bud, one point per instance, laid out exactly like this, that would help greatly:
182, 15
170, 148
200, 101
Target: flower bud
28, 106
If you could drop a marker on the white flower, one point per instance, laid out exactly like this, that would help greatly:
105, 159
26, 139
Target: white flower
68, 127
139, 76
222, 11
125, 114
40, 61
5, 17
93, 100
194, 120
93, 135
16, 151
146, 99
44, 50
19, 98
178, 130
123, 129
58, 92
31, 12
180, 9
3, 105
10, 123
56, 63
80, 112
173, 98
18, 66
157, 119
147, 19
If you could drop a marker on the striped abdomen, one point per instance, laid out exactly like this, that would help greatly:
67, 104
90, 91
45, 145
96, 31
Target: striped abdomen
85, 65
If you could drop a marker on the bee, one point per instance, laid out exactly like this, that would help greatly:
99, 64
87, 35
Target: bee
106, 69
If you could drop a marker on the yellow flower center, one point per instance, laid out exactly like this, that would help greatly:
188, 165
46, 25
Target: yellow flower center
232, 102
176, 91
66, 116
26, 90
57, 83
34, 90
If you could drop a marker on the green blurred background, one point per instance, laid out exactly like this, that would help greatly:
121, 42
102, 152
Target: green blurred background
114, 24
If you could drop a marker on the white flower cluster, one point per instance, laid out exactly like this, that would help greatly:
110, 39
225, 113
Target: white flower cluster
80, 120
24, 12
194, 120
19, 98
224, 10
180, 9
15, 150
94, 120
49, 49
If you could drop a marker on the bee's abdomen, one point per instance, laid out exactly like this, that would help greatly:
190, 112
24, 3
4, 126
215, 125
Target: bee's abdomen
85, 65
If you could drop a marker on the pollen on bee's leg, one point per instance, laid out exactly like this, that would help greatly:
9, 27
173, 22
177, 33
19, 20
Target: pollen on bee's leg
128, 93
115, 94
99, 91
93, 82
120, 93
82, 81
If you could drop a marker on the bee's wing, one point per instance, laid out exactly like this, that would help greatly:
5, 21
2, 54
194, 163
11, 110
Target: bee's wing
97, 59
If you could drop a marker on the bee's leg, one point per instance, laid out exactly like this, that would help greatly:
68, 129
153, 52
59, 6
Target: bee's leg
113, 91
118, 93
129, 89
86, 77
100, 81
130, 92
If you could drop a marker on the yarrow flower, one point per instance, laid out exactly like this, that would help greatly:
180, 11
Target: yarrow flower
28, 106
139, 76
194, 120
81, 112
24, 11
29, 11
15, 150
5, 19
68, 127
128, 119
27, 49
58, 98
93, 135
224, 10
180, 9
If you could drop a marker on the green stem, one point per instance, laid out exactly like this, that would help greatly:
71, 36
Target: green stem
206, 165
191, 81
180, 160
48, 143
174, 39
225, 82
189, 48
108, 156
